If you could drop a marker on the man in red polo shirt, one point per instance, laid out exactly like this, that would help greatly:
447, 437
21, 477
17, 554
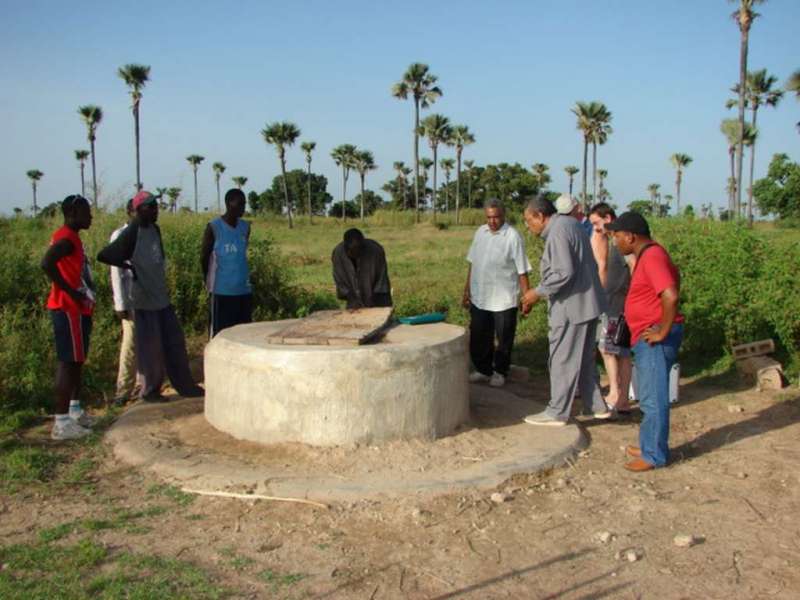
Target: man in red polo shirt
71, 303
651, 311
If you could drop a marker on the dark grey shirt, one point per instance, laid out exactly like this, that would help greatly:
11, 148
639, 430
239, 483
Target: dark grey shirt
618, 280
141, 247
365, 282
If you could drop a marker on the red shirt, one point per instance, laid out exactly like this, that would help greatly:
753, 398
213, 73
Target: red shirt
654, 273
71, 268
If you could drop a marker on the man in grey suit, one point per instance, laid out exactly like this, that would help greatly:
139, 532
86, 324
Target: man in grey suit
570, 282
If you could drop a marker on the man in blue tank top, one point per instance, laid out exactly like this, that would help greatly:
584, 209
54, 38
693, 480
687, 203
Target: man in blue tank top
225, 269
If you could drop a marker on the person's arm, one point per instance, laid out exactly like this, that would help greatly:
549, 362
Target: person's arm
669, 310
56, 252
560, 271
120, 251
207, 248
466, 299
600, 250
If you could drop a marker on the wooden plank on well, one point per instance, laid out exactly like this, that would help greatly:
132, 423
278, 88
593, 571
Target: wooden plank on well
335, 327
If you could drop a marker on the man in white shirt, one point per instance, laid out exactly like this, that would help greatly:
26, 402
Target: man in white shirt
497, 275
121, 281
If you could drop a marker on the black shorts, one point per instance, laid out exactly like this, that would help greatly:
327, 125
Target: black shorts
72, 332
227, 311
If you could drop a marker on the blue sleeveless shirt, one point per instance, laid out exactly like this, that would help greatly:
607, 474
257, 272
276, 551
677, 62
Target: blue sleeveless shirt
228, 273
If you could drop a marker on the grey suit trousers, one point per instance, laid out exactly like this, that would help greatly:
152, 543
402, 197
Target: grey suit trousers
572, 368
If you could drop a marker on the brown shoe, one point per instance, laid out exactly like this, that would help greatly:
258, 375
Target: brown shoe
637, 465
633, 451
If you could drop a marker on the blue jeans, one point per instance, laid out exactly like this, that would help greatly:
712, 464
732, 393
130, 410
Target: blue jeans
652, 386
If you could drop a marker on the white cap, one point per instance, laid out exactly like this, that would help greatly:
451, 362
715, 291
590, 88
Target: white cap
565, 204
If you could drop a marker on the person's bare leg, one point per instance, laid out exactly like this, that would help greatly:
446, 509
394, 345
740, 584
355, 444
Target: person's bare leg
68, 381
612, 370
625, 368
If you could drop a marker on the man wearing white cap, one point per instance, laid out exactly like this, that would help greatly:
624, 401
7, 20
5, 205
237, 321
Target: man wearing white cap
566, 204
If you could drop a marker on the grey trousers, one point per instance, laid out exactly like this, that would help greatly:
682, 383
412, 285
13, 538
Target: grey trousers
572, 368
160, 348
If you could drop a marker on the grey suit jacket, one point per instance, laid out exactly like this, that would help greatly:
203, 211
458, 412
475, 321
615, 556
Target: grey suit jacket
569, 277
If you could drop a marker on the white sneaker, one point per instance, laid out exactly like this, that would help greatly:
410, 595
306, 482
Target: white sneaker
70, 430
497, 380
604, 416
543, 418
83, 418
478, 377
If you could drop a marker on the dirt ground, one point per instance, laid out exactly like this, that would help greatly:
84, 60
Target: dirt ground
588, 530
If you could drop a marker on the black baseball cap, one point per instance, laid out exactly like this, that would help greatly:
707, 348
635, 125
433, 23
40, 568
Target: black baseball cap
631, 222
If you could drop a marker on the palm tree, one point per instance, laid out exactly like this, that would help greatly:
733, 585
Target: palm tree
135, 77
541, 174
680, 162
281, 135
426, 164
420, 84
308, 148
161, 192
174, 193
195, 160
759, 93
218, 169
34, 175
400, 168
437, 129
363, 161
602, 193
571, 171
343, 155
793, 85
585, 111
461, 136
92, 115
239, 182
81, 156
469, 164
730, 129
653, 189
744, 16
447, 164
594, 123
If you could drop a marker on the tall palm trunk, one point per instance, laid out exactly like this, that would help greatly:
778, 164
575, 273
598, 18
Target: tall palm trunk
458, 186
585, 169
83, 182
570, 184
447, 193
469, 189
434, 183
362, 195
594, 174
219, 205
344, 192
742, 92
35, 206
286, 191
195, 188
308, 187
678, 194
94, 174
136, 136
732, 206
416, 159
752, 167
405, 192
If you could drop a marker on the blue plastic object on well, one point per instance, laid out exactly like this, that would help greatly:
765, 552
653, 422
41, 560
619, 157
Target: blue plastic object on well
435, 317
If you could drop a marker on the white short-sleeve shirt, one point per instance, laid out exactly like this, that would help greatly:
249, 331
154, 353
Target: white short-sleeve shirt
498, 259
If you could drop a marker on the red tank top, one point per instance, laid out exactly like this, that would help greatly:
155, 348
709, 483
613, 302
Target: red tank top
71, 268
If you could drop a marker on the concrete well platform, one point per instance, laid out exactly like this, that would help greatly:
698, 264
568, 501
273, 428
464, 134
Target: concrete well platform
175, 442
412, 384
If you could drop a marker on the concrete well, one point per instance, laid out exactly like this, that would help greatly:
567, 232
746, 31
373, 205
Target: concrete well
411, 384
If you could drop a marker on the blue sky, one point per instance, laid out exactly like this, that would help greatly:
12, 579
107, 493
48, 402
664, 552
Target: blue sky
509, 70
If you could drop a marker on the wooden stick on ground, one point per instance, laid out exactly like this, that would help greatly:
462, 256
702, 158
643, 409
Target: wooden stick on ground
252, 497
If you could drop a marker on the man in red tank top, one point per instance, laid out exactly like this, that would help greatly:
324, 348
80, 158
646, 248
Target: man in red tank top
71, 303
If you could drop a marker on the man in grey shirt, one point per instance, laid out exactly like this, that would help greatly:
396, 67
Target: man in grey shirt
570, 282
160, 343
